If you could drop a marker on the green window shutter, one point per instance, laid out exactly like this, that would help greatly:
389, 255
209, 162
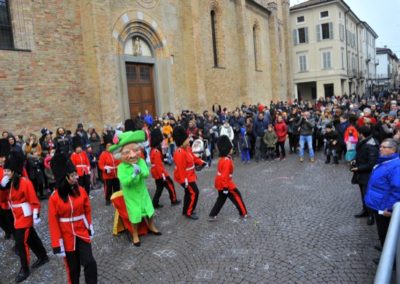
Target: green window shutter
318, 28
295, 40
330, 30
306, 34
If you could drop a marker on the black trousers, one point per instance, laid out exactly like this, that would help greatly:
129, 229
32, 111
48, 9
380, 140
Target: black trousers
190, 198
81, 256
169, 185
84, 181
7, 222
111, 186
280, 146
235, 197
293, 142
382, 224
363, 190
27, 238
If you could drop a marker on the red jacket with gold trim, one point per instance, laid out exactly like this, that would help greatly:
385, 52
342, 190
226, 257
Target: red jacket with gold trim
68, 220
81, 162
24, 204
223, 178
107, 161
185, 162
157, 166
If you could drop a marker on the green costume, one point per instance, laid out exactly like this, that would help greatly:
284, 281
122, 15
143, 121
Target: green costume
136, 196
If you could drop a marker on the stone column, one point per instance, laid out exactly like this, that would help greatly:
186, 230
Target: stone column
274, 51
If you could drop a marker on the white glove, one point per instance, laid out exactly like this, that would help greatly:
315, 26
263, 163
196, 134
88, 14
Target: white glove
5, 180
91, 231
61, 254
36, 219
108, 170
186, 183
163, 177
225, 191
136, 170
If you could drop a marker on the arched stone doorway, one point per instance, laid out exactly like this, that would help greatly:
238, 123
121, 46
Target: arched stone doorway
140, 76
143, 56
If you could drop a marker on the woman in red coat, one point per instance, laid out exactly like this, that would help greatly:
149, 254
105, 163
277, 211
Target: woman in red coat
25, 208
281, 132
70, 222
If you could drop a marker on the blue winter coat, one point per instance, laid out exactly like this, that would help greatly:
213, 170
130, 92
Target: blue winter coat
384, 184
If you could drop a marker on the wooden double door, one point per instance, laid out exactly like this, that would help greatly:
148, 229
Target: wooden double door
140, 80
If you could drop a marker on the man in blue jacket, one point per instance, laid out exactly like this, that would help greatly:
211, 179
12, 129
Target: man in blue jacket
383, 189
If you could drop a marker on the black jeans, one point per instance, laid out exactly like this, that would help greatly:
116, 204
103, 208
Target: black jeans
382, 224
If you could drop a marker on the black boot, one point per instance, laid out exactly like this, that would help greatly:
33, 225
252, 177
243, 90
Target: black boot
370, 220
22, 275
40, 261
328, 159
362, 214
335, 160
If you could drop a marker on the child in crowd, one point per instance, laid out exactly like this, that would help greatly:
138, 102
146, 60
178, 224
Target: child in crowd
331, 138
351, 140
244, 145
270, 140
223, 180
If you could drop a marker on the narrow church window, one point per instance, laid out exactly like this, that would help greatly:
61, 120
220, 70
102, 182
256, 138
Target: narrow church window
214, 38
6, 36
255, 46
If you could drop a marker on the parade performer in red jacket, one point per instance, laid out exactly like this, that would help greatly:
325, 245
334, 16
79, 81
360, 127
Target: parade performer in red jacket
223, 181
6, 217
25, 208
158, 171
184, 172
70, 221
82, 164
108, 166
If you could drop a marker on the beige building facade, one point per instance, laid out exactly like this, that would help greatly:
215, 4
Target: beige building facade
103, 61
334, 51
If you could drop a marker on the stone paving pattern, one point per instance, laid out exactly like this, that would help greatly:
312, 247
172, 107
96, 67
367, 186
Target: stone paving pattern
302, 230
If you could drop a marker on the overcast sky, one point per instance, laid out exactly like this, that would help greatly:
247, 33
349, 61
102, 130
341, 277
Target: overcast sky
383, 16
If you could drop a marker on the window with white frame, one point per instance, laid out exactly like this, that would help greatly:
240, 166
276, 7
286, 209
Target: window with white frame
324, 14
300, 35
324, 31
326, 60
302, 63
300, 19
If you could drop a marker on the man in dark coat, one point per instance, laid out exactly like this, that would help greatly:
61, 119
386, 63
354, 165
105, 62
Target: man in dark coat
367, 154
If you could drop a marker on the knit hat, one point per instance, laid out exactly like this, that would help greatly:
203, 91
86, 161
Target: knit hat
126, 138
179, 134
15, 162
224, 145
156, 137
261, 108
61, 166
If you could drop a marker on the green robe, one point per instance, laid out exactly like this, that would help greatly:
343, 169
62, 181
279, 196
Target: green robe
136, 196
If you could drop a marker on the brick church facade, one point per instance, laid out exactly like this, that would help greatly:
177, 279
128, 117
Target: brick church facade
102, 61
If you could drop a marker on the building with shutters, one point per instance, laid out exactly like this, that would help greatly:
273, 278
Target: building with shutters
387, 69
103, 61
334, 51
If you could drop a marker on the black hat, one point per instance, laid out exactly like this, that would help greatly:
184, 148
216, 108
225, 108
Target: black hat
107, 139
130, 125
61, 166
224, 145
76, 142
15, 162
329, 125
156, 137
4, 147
179, 134
80, 125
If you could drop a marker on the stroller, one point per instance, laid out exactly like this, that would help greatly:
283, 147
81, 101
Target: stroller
200, 149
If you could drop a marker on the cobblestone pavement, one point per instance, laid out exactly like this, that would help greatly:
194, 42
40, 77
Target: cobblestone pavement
302, 230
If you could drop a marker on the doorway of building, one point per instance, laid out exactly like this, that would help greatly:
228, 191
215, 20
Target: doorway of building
140, 88
328, 90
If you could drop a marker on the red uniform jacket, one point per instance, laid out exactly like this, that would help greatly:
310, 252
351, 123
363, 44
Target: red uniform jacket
184, 165
107, 160
157, 166
68, 220
281, 131
24, 204
81, 162
223, 179
3, 194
